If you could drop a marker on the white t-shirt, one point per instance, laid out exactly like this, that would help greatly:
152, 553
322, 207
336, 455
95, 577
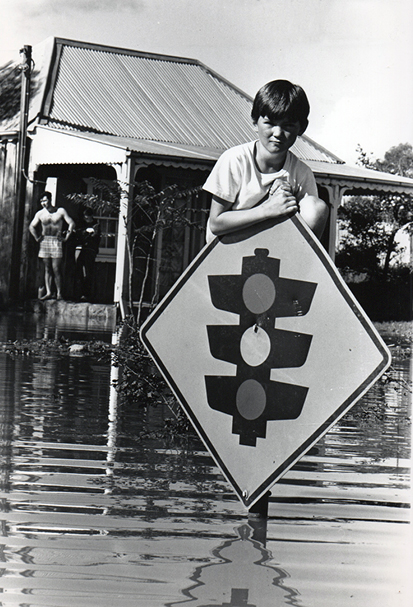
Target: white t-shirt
236, 178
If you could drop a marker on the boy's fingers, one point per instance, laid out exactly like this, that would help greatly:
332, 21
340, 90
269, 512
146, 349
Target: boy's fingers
292, 205
275, 186
282, 188
278, 184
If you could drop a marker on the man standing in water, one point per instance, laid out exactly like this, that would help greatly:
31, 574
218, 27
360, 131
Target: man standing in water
50, 219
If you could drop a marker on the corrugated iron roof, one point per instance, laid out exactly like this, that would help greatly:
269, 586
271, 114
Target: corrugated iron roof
143, 98
58, 146
152, 98
55, 150
360, 175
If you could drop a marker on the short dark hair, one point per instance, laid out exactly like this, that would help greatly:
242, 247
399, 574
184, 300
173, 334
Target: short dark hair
281, 99
47, 195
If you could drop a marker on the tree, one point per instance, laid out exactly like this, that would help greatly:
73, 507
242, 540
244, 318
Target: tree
398, 160
370, 224
10, 87
150, 213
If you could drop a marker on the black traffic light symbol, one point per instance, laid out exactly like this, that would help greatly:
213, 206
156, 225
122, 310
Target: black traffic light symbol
259, 296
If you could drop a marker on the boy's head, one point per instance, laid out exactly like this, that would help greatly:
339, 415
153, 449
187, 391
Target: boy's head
88, 214
45, 199
280, 100
46, 195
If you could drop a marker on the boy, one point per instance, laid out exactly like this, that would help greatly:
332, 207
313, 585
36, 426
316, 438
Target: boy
262, 179
50, 220
88, 233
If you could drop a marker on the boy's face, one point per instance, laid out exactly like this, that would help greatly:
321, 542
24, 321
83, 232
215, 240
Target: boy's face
277, 136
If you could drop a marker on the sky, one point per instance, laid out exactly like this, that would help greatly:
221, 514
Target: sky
354, 58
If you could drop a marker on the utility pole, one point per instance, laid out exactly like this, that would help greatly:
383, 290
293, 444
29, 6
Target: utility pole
26, 68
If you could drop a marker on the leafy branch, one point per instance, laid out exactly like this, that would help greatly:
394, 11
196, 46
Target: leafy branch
149, 214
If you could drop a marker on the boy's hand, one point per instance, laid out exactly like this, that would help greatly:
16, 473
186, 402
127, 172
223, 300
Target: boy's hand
281, 201
280, 184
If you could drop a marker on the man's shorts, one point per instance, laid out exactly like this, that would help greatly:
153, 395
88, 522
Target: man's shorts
50, 247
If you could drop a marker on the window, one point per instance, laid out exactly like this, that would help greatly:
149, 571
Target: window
108, 240
108, 227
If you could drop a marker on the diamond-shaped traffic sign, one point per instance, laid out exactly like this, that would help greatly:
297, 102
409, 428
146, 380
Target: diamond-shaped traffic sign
265, 348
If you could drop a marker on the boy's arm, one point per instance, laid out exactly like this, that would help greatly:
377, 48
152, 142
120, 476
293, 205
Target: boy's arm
223, 220
314, 211
69, 222
33, 228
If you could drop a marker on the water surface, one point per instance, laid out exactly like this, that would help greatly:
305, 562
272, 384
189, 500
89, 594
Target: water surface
97, 510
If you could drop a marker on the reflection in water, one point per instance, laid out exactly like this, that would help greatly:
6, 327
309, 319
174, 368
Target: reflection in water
97, 511
242, 575
19, 325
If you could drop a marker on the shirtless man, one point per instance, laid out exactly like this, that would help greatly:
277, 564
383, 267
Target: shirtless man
50, 220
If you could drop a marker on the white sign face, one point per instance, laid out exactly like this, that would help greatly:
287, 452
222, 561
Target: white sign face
265, 348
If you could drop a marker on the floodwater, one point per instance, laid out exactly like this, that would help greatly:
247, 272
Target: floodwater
98, 511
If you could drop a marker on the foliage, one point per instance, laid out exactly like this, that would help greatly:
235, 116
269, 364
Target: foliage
140, 383
55, 347
149, 213
397, 334
398, 160
9, 91
10, 87
370, 224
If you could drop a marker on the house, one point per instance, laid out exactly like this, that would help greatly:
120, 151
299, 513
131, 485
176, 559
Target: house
99, 112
